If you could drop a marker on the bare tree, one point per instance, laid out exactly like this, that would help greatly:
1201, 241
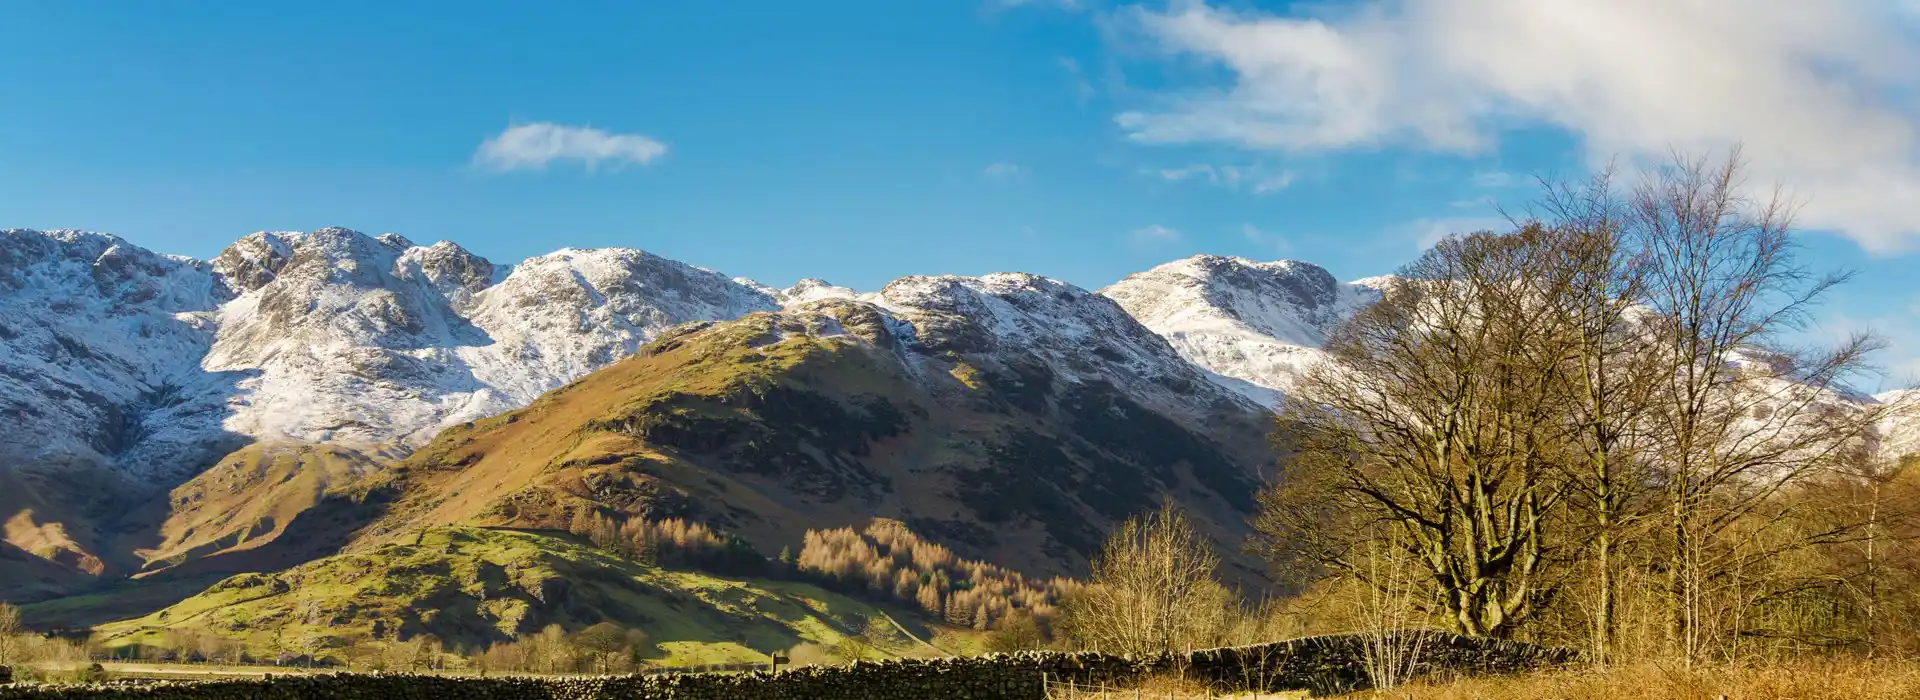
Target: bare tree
1608, 376
1392, 639
10, 629
1436, 421
1741, 414
1153, 590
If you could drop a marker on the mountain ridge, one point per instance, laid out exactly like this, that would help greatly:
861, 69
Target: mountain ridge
374, 345
145, 386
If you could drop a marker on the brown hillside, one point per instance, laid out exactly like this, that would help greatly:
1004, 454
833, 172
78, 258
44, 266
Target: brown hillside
264, 507
778, 423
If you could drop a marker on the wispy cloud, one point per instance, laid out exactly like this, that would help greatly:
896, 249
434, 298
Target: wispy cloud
1819, 93
1254, 235
1256, 179
1211, 173
1154, 236
1273, 183
1082, 88
1062, 4
535, 146
1001, 171
1493, 179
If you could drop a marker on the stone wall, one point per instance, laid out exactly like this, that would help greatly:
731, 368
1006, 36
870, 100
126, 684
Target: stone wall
1315, 663
1338, 662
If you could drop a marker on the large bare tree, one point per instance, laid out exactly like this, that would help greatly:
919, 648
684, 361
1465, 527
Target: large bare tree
1607, 390
1435, 420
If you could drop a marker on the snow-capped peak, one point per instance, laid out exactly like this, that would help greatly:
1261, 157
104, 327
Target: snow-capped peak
1259, 322
329, 335
813, 289
1079, 336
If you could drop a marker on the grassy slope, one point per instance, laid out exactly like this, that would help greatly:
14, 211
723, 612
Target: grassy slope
474, 586
572, 447
116, 601
263, 507
766, 427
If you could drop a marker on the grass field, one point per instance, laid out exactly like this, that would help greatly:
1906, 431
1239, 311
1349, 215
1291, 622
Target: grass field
471, 587
1796, 680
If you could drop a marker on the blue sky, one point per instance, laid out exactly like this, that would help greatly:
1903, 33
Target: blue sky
861, 141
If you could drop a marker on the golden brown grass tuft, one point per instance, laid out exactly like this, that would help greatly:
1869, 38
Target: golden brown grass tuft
1799, 680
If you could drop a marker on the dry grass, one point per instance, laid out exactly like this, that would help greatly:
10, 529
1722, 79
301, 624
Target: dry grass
1799, 680
1161, 688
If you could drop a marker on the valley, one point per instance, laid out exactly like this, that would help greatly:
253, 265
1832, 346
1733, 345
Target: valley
308, 396
336, 449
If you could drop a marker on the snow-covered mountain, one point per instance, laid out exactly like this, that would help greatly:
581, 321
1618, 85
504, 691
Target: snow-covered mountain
357, 339
153, 365
124, 372
100, 343
1257, 326
1013, 415
1077, 336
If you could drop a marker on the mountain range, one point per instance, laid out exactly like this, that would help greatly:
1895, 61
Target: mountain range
305, 394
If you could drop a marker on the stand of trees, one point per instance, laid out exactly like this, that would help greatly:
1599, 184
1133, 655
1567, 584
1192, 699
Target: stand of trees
670, 541
883, 562
601, 648
1603, 429
887, 562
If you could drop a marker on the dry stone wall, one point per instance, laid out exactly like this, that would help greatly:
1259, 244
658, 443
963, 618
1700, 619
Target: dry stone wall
1314, 663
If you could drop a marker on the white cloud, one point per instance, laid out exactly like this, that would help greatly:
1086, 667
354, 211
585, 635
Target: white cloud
1257, 179
1493, 180
1154, 236
535, 146
1001, 170
1273, 183
1821, 93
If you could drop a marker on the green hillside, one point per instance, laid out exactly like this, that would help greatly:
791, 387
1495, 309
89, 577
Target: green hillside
774, 424
471, 587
